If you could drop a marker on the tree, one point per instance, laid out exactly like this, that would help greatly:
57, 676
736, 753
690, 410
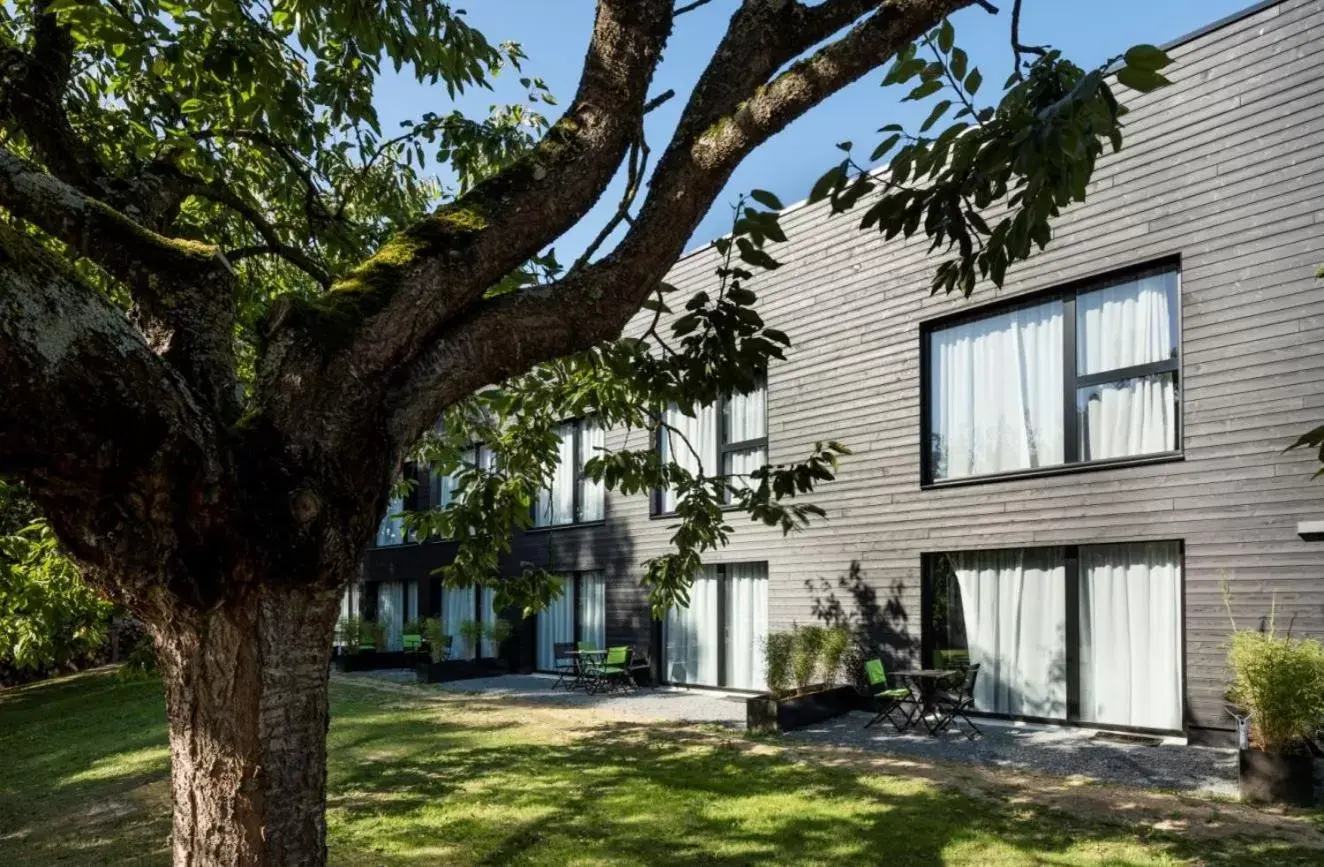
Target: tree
231, 304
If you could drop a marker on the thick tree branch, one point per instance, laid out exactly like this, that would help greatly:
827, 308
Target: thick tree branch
131, 448
508, 334
433, 271
183, 288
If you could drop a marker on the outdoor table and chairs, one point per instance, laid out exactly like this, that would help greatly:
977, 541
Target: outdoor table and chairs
936, 697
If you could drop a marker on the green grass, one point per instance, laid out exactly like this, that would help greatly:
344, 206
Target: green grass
414, 780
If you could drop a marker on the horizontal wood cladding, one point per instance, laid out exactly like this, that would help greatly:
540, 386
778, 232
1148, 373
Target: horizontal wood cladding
1224, 169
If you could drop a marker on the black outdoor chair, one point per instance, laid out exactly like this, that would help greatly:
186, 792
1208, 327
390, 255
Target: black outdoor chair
639, 663
565, 664
952, 706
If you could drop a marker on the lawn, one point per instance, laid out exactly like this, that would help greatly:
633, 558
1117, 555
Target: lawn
419, 778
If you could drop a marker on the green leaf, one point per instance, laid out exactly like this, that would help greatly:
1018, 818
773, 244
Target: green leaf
844, 146
927, 88
946, 36
938, 111
958, 64
973, 81
884, 146
1146, 57
1142, 80
766, 199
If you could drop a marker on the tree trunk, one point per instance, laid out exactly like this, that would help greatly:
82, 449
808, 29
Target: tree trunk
246, 698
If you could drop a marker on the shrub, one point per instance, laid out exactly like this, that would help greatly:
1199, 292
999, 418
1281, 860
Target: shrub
349, 633
412, 627
778, 648
1279, 681
435, 635
835, 643
497, 632
372, 633
471, 632
808, 648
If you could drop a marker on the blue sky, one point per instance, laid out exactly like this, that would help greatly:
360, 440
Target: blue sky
554, 34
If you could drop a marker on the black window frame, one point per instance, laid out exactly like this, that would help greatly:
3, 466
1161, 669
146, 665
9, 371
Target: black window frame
577, 616
577, 486
723, 449
1072, 381
1071, 575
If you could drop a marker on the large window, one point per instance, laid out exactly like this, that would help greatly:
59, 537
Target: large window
580, 615
1088, 375
1089, 633
729, 437
572, 498
718, 639
391, 531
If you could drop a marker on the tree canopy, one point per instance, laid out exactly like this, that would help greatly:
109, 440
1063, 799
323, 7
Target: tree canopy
232, 302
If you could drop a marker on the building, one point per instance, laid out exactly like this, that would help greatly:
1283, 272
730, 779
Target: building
1062, 476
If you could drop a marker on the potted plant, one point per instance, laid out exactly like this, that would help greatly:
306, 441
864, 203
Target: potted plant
496, 633
360, 642
471, 633
1278, 683
810, 657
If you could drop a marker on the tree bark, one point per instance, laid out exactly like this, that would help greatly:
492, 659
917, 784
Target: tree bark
247, 704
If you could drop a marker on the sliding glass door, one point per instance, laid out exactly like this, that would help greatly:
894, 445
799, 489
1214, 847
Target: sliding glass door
718, 639
1086, 633
457, 606
580, 615
391, 612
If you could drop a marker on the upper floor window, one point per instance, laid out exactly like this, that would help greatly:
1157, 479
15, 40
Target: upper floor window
728, 437
1088, 375
441, 488
391, 531
572, 497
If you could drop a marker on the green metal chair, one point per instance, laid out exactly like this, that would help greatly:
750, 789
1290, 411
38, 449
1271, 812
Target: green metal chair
889, 700
613, 672
412, 642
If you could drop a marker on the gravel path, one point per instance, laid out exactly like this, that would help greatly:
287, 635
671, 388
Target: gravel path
1063, 752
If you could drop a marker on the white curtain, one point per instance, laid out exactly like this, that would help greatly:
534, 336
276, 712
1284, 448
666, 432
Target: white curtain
593, 609
1127, 324
701, 432
391, 530
411, 595
556, 624
997, 393
690, 635
1014, 605
457, 606
1130, 635
390, 612
1122, 326
746, 624
556, 504
489, 615
747, 415
591, 444
349, 607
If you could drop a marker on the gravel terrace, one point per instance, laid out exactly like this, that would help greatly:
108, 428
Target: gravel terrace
1063, 752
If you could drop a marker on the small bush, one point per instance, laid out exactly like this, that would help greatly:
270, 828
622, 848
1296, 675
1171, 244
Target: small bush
808, 650
1279, 681
349, 633
778, 647
471, 632
497, 632
373, 634
412, 627
835, 643
435, 635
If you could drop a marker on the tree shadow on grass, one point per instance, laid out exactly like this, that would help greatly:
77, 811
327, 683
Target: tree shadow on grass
657, 794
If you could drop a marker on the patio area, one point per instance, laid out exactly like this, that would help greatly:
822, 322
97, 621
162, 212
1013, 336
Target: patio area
1058, 751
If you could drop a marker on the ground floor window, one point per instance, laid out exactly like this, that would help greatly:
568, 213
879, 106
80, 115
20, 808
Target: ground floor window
1089, 633
397, 604
718, 639
458, 606
580, 615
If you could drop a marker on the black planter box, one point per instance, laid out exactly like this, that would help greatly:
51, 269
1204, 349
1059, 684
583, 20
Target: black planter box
1270, 778
459, 669
763, 713
371, 660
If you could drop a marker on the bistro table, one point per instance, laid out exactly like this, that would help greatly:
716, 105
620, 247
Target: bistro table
926, 681
586, 662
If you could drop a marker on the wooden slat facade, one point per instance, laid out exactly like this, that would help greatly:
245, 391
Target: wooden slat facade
1225, 169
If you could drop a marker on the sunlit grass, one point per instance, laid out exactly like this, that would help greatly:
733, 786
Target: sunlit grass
418, 779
